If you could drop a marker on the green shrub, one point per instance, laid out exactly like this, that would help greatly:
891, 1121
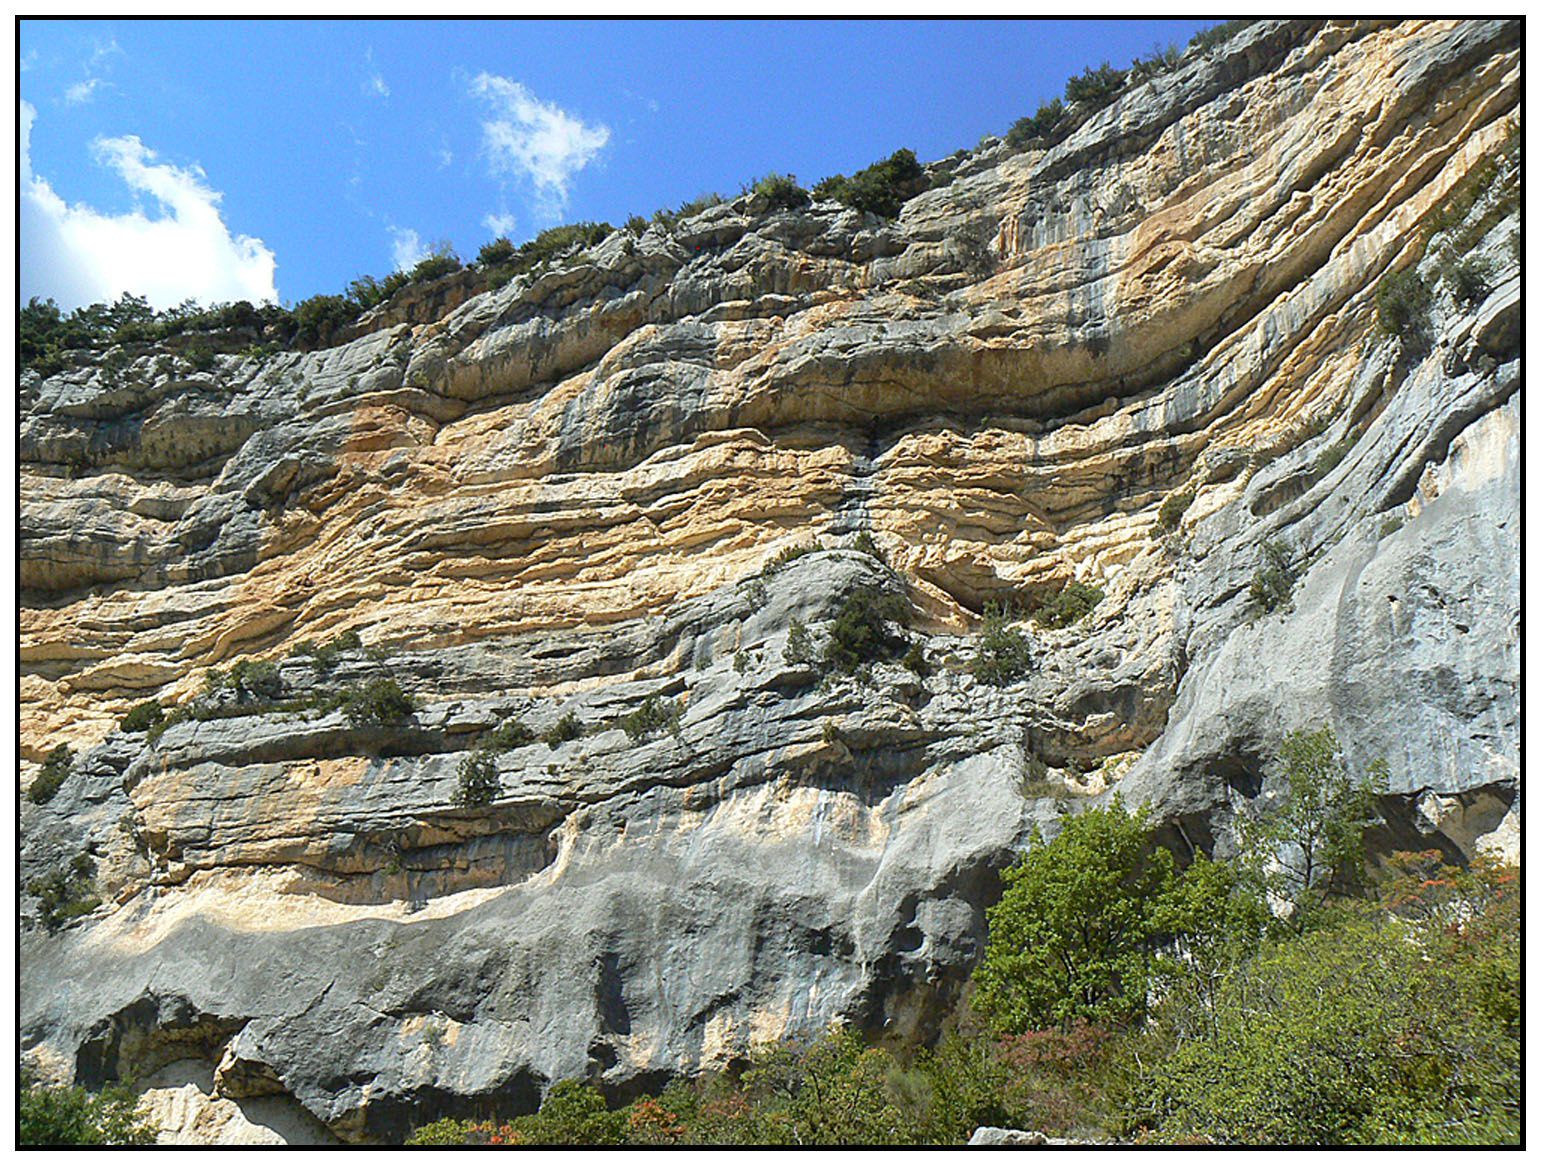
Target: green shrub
447, 1131
1310, 842
1157, 61
500, 250
1362, 1033
1043, 123
1001, 653
780, 190
1274, 581
865, 544
66, 893
573, 1114
1467, 279
319, 318
511, 734
741, 661
380, 702
861, 634
1208, 38
479, 783
1095, 86
327, 655
1402, 305
252, 681
143, 717
1075, 933
368, 292
1068, 606
788, 555
798, 651
637, 225
1174, 506
881, 189
440, 261
56, 767
652, 717
915, 660
50, 1116
173, 716
568, 728
200, 357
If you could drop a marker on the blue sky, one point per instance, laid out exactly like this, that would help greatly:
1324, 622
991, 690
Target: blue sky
226, 160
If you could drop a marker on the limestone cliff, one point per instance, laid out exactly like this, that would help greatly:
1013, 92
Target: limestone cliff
561, 497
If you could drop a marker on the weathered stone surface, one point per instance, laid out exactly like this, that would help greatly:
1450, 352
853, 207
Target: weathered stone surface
559, 497
996, 1136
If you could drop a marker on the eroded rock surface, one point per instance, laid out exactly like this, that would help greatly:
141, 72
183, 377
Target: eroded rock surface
561, 498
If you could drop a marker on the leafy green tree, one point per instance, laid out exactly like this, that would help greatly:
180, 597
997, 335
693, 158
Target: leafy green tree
479, 783
49, 1116
56, 767
1073, 935
1274, 582
1355, 1033
832, 1092
1310, 841
881, 189
573, 1114
1001, 653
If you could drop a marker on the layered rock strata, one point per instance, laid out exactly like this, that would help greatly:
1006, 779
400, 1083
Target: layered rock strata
567, 496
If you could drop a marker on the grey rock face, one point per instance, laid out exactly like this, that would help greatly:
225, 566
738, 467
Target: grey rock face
556, 501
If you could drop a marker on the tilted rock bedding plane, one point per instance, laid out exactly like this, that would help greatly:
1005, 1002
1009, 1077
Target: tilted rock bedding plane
554, 500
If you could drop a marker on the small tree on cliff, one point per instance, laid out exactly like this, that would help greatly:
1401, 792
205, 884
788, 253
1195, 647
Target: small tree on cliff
1073, 935
1309, 842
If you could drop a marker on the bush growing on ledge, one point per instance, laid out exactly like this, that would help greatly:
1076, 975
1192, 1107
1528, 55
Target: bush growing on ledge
1070, 605
1040, 125
56, 767
1467, 280
1174, 506
915, 661
569, 728
653, 717
1402, 305
881, 189
1095, 86
66, 893
511, 734
479, 783
860, 634
380, 702
143, 717
1001, 653
799, 646
788, 555
1208, 38
1274, 581
780, 191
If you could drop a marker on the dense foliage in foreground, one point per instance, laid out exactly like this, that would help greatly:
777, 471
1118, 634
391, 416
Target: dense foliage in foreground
1121, 999
49, 1116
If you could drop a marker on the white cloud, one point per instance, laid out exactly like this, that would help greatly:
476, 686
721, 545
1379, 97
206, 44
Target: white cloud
82, 91
79, 255
374, 84
500, 224
406, 248
103, 52
535, 140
